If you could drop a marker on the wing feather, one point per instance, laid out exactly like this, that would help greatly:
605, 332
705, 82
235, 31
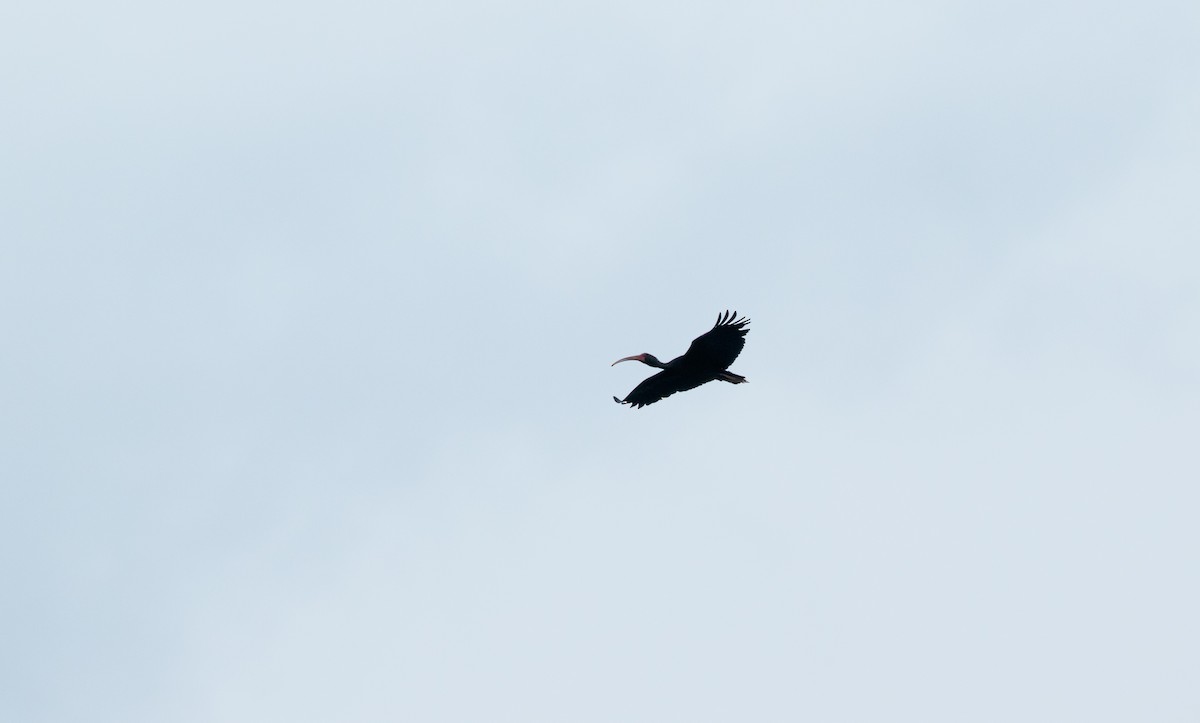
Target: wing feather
720, 346
662, 385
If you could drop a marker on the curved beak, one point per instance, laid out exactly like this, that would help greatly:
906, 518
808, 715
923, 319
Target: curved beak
635, 357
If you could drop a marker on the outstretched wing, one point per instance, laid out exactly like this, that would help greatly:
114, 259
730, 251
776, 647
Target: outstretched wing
718, 347
663, 385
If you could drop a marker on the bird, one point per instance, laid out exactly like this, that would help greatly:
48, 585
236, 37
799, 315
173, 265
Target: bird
706, 360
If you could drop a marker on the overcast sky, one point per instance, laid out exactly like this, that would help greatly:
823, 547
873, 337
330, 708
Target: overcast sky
308, 309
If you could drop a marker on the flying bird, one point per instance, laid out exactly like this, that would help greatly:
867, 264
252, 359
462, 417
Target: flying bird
707, 359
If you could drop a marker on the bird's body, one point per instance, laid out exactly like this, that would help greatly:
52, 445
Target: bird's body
706, 360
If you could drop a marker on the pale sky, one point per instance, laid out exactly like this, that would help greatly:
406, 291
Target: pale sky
309, 311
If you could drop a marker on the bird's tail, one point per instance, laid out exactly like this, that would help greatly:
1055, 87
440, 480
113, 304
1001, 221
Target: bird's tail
732, 378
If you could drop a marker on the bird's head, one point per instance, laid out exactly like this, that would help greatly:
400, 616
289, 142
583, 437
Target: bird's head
647, 359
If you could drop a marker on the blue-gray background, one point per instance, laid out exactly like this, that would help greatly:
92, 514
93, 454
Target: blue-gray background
307, 313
